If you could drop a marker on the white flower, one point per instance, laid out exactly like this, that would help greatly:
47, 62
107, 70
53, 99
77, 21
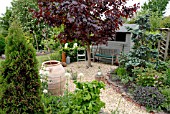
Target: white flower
68, 75
45, 91
80, 75
42, 80
75, 45
66, 45
99, 73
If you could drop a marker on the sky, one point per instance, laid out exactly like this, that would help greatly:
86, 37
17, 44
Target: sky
6, 3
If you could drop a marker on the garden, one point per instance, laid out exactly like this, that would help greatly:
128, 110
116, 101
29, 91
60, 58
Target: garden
40, 73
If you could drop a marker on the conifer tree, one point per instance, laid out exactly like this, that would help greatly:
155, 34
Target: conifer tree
20, 78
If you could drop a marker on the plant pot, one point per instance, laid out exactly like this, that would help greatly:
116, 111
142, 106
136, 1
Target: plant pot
64, 56
55, 75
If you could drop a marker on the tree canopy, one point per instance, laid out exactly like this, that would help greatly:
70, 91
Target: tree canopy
5, 22
82, 18
89, 21
20, 9
156, 6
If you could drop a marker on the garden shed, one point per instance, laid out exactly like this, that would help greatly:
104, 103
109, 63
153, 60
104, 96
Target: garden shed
122, 41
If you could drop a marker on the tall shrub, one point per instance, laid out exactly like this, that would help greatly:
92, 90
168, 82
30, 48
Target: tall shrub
2, 44
165, 23
20, 78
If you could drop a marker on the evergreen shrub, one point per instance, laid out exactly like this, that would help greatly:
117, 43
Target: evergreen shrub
20, 78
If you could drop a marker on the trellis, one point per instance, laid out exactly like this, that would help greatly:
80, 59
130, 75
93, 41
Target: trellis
163, 44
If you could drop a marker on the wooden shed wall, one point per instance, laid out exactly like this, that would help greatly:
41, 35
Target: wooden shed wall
118, 45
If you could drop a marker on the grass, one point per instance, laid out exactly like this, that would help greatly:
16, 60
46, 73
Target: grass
43, 58
40, 59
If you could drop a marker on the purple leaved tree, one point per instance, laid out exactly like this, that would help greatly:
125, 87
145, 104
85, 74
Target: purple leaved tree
89, 21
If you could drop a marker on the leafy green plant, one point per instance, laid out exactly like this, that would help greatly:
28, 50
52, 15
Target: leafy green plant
149, 97
71, 52
156, 6
20, 77
55, 56
48, 44
167, 77
148, 77
165, 23
51, 103
166, 103
161, 66
120, 71
123, 76
84, 100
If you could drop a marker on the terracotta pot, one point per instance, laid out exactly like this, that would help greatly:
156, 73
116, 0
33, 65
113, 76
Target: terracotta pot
64, 57
55, 75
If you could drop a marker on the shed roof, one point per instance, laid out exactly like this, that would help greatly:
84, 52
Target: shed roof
123, 27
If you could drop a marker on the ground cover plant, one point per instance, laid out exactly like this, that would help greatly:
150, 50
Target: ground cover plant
150, 97
19, 76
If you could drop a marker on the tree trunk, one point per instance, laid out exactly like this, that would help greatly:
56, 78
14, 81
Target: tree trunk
89, 56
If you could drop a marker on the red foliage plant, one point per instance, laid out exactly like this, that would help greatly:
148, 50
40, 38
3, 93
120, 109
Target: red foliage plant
89, 21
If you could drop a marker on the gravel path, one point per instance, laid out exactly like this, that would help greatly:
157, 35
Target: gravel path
114, 101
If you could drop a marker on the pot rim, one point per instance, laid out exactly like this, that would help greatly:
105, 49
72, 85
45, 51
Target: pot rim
53, 63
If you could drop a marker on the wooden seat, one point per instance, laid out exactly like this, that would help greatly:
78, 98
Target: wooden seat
81, 54
108, 54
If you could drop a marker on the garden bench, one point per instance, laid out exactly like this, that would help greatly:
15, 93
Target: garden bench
107, 54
